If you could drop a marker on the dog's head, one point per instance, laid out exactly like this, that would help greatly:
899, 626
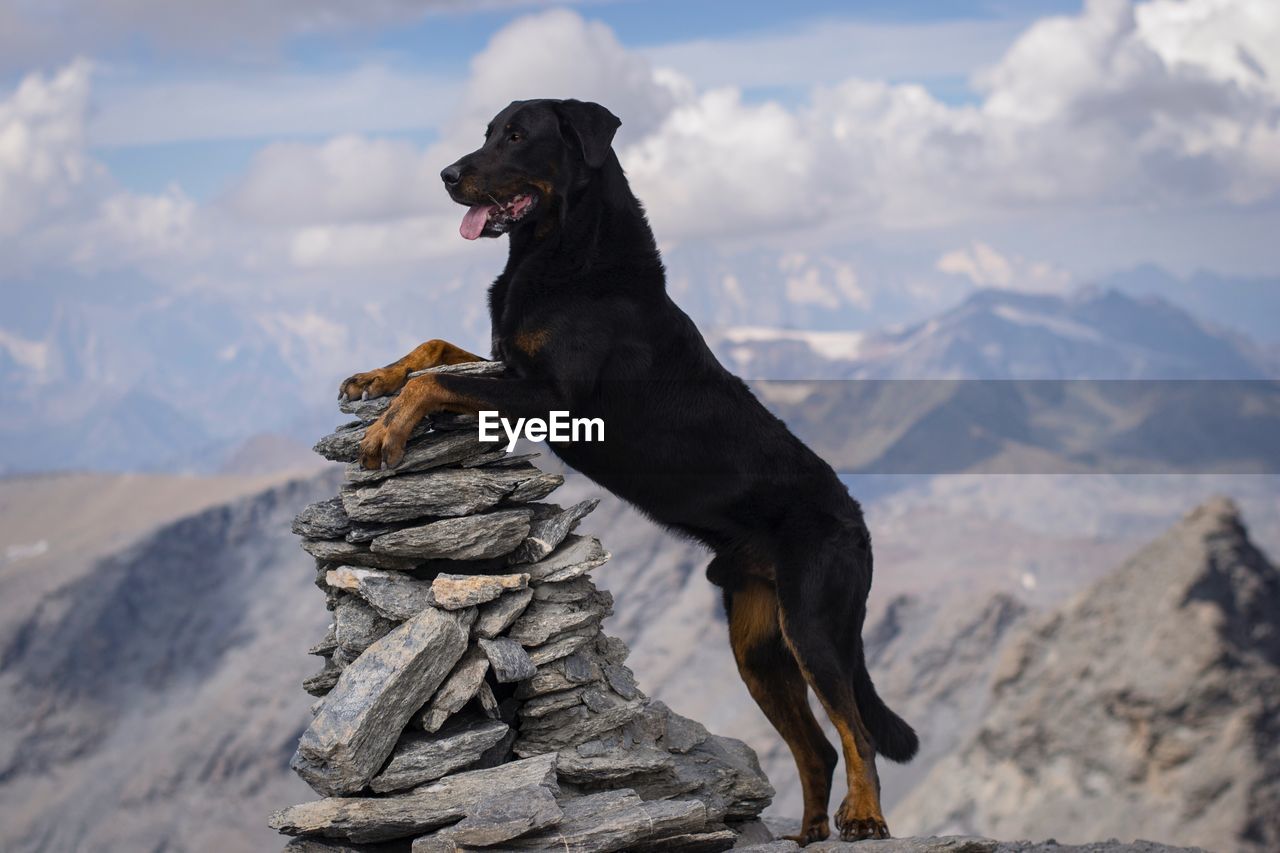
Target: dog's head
535, 153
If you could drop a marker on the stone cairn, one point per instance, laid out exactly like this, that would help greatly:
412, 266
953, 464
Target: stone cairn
469, 699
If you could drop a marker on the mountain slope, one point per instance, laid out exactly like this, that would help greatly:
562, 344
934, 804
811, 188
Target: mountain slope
1004, 334
150, 703
1149, 706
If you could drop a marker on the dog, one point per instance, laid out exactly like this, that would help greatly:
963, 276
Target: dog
582, 320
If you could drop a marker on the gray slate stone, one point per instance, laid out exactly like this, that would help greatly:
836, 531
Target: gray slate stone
323, 681
622, 680
475, 537
364, 819
343, 444
432, 450
690, 842
721, 772
508, 658
456, 591
495, 820
571, 727
614, 765
358, 626
562, 674
574, 590
420, 758
331, 845
362, 717
580, 669
540, 706
466, 368
563, 646
488, 702
368, 532
681, 734
458, 689
501, 459
614, 820
497, 616
599, 699
547, 533
342, 553
574, 557
392, 594
444, 492
545, 619
324, 519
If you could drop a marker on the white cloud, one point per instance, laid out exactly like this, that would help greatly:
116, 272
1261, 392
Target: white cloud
986, 267
43, 165
559, 54
346, 179
717, 165
57, 203
1109, 107
355, 200
1159, 107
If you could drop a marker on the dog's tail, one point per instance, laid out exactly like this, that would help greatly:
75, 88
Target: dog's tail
894, 738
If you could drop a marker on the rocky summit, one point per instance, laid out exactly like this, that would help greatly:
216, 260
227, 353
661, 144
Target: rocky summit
1147, 705
467, 696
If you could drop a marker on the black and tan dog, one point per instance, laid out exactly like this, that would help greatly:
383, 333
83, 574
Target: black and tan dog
582, 319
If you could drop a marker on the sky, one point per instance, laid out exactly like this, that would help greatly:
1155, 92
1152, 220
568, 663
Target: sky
241, 146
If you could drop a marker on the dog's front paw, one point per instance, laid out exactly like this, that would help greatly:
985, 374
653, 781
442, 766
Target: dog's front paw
857, 822
375, 383
383, 443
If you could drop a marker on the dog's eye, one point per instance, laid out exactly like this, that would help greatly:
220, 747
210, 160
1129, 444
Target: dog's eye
515, 136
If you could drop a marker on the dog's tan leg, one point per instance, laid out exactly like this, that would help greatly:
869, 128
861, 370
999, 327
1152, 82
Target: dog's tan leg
776, 683
859, 815
389, 379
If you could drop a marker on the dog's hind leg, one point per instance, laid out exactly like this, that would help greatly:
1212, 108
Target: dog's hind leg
387, 380
775, 682
822, 588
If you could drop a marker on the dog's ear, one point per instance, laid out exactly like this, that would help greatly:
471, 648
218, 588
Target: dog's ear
591, 125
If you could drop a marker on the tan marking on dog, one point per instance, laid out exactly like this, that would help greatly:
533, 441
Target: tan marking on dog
531, 341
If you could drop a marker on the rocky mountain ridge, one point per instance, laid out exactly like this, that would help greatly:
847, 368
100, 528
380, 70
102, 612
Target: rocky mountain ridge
1093, 333
1148, 705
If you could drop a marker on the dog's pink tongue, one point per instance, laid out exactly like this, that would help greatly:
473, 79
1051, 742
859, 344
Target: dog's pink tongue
474, 219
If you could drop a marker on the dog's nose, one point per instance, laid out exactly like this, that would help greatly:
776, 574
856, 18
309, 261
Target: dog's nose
451, 175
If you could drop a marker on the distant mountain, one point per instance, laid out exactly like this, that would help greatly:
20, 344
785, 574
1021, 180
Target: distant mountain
149, 703
931, 427
153, 380
1148, 706
1250, 304
116, 375
1003, 334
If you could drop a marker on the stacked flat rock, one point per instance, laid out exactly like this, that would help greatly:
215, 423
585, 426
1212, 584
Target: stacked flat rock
468, 698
